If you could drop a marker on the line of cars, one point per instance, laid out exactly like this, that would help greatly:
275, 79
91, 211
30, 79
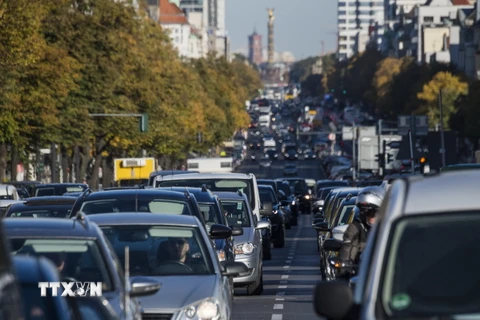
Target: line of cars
191, 238
419, 261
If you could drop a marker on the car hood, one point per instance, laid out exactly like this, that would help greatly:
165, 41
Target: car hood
245, 237
177, 292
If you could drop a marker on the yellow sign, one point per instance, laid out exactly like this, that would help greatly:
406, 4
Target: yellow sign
133, 168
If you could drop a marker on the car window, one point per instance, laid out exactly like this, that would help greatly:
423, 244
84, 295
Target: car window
77, 259
161, 250
423, 252
209, 213
33, 212
42, 192
236, 213
161, 206
267, 195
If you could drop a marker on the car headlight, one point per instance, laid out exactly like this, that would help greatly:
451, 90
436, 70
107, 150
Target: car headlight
307, 197
275, 211
208, 309
221, 255
244, 248
293, 202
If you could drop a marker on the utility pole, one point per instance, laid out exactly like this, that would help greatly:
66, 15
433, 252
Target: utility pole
354, 151
442, 135
381, 168
323, 47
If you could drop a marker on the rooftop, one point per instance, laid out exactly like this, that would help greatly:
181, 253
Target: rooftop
170, 13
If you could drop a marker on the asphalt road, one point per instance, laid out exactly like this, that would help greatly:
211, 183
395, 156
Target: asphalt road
290, 277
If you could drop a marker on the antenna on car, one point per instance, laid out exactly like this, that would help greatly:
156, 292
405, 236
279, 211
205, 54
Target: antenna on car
127, 282
204, 188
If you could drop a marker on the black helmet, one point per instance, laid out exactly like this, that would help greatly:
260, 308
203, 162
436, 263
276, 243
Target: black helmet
369, 199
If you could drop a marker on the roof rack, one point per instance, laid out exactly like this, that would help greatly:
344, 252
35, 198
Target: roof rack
240, 193
187, 193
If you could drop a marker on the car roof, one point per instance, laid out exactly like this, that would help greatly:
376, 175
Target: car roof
462, 198
201, 195
51, 227
197, 176
265, 186
49, 200
113, 194
143, 218
60, 185
231, 195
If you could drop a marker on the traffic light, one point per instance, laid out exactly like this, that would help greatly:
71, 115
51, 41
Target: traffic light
423, 160
380, 158
344, 91
389, 158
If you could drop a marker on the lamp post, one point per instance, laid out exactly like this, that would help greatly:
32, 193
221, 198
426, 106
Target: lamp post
442, 136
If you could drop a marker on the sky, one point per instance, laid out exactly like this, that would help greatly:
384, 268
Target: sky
299, 26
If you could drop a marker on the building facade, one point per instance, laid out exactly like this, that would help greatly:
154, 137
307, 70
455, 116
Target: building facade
255, 48
358, 19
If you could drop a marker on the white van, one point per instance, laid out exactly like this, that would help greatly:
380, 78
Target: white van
211, 165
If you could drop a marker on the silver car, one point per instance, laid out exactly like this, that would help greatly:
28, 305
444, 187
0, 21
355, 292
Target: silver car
248, 248
420, 260
175, 251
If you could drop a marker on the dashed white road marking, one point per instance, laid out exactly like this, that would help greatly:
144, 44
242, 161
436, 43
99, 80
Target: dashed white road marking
277, 317
282, 287
286, 267
284, 282
285, 276
278, 306
288, 261
280, 294
279, 299
290, 257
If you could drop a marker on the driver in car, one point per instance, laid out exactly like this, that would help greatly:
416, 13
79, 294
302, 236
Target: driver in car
178, 249
171, 253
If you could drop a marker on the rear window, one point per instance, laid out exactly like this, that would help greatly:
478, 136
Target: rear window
160, 206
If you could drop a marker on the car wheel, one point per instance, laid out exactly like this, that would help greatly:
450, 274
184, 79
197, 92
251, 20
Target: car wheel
280, 240
256, 289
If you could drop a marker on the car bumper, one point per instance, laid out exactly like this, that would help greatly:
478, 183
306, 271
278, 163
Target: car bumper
253, 264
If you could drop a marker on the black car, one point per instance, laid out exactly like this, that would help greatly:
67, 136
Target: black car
213, 214
255, 145
276, 217
287, 194
31, 271
302, 193
42, 207
58, 189
10, 297
81, 253
138, 200
291, 154
271, 154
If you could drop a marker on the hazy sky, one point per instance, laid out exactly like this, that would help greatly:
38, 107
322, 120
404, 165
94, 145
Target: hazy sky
300, 25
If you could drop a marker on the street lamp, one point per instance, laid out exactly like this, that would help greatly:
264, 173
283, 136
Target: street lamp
442, 136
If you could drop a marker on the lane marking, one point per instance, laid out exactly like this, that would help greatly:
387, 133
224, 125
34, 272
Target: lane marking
284, 282
278, 306
288, 261
280, 294
290, 257
286, 267
282, 287
285, 276
280, 299
277, 317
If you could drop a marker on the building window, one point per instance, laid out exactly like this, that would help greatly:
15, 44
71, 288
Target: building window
342, 21
342, 12
176, 39
427, 19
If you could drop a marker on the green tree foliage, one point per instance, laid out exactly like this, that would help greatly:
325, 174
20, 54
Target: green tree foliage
302, 69
62, 60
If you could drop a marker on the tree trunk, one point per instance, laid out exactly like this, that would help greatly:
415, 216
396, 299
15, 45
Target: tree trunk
3, 162
54, 166
84, 160
13, 163
99, 148
64, 164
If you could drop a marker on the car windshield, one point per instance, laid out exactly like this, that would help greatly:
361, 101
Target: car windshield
53, 211
266, 196
132, 204
420, 278
299, 186
75, 259
236, 212
161, 250
215, 185
285, 188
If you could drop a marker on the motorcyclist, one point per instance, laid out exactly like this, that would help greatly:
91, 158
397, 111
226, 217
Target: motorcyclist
368, 202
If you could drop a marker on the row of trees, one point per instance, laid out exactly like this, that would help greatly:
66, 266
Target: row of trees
62, 60
390, 87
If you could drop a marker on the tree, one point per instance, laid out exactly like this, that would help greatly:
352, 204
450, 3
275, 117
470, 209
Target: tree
451, 88
387, 70
472, 112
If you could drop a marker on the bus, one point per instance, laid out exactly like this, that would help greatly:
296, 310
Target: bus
211, 165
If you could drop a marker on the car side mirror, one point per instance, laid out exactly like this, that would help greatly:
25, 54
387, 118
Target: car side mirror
266, 209
333, 299
263, 225
321, 226
219, 231
233, 268
141, 287
237, 231
338, 232
332, 245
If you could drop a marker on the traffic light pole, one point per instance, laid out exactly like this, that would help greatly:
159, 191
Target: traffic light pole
385, 157
381, 169
354, 156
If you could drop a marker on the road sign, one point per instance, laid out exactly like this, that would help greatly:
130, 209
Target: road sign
367, 151
420, 127
347, 133
332, 136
